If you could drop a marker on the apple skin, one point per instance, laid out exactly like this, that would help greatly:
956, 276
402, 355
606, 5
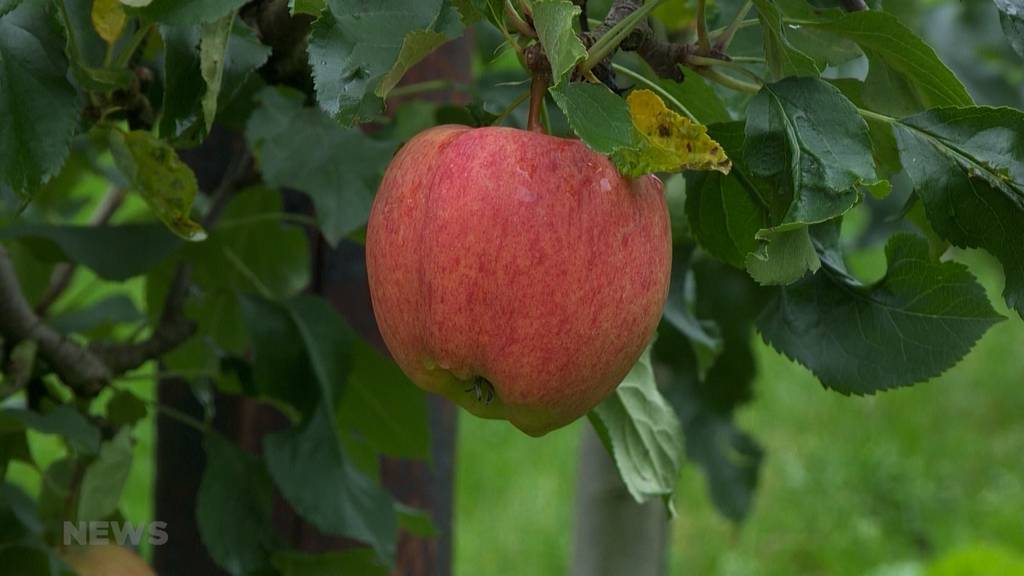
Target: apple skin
519, 258
106, 560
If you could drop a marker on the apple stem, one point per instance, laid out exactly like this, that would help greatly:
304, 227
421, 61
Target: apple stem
538, 88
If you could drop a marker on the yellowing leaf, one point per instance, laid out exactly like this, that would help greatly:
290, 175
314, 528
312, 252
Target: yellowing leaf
108, 19
666, 141
165, 182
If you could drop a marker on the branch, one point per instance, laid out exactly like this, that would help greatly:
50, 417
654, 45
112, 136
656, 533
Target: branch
174, 327
584, 20
702, 28
87, 370
77, 367
172, 330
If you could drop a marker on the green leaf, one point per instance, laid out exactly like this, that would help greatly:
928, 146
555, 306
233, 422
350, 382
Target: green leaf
641, 432
804, 136
310, 7
125, 409
913, 325
384, 407
883, 143
98, 317
599, 117
13, 443
105, 478
725, 211
245, 54
234, 509
63, 421
905, 74
39, 108
113, 252
493, 10
415, 521
302, 350
302, 148
26, 559
783, 257
328, 341
8, 5
1011, 15
281, 368
967, 166
183, 81
356, 45
356, 561
681, 315
189, 12
808, 143
783, 59
108, 18
313, 474
19, 518
554, 21
252, 249
213, 45
188, 103
166, 183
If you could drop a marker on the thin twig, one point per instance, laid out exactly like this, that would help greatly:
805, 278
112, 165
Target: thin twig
77, 367
511, 108
654, 87
723, 40
520, 25
702, 28
623, 18
728, 81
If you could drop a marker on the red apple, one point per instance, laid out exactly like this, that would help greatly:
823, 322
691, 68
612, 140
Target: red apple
516, 273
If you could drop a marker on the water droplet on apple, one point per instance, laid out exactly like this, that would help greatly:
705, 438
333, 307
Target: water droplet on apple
606, 186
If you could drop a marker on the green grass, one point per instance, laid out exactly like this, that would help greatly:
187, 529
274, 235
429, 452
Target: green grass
849, 485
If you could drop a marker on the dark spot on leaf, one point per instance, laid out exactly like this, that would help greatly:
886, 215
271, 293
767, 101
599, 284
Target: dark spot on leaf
664, 130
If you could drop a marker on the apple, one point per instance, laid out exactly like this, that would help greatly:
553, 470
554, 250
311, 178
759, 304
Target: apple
516, 273
106, 560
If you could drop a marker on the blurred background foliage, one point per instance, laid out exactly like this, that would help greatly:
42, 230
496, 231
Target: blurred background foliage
922, 481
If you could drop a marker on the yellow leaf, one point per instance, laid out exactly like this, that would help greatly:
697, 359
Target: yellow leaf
165, 182
668, 142
108, 19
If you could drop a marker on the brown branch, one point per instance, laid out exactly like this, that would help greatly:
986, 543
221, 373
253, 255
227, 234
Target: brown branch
172, 330
87, 370
538, 88
77, 367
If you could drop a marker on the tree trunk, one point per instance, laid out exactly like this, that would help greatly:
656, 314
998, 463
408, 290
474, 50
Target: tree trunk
614, 535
